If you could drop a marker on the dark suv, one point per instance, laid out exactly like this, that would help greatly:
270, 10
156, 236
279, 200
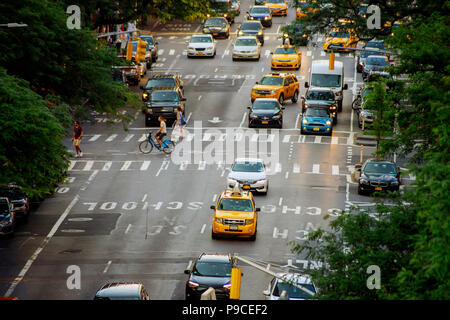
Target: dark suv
18, 199
320, 97
161, 80
7, 220
378, 175
163, 101
209, 270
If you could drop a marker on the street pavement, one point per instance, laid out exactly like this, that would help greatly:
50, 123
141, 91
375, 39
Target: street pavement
126, 216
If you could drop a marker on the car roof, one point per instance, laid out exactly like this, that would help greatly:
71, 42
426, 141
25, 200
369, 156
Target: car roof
248, 160
266, 99
322, 66
119, 289
211, 257
246, 37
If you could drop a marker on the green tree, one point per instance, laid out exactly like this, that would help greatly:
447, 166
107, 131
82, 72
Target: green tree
31, 149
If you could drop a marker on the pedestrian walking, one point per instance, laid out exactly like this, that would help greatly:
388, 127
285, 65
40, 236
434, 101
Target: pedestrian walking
77, 135
180, 123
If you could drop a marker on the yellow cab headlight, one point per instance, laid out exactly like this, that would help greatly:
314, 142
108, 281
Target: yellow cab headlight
249, 221
260, 32
145, 95
219, 220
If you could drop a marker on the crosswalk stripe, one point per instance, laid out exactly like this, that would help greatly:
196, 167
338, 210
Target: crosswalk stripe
316, 168
206, 137
72, 164
128, 138
334, 140
278, 167
88, 165
301, 139
111, 138
335, 170
143, 137
202, 165
322, 53
189, 137
160, 52
107, 166
227, 52
296, 168
267, 53
318, 139
308, 53
95, 137
183, 165
337, 54
286, 138
171, 52
126, 165
145, 165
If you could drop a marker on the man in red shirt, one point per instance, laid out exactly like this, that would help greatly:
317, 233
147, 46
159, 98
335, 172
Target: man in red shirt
77, 135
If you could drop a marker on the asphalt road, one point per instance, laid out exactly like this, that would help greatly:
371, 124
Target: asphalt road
125, 216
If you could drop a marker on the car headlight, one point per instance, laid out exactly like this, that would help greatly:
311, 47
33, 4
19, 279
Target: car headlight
209, 49
363, 181
305, 121
394, 183
192, 284
328, 123
259, 33
306, 106
333, 107
252, 116
249, 221
305, 35
266, 18
219, 220
241, 32
225, 15
261, 181
277, 117
251, 18
145, 95
191, 48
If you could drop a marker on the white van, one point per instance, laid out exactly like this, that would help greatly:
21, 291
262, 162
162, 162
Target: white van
322, 76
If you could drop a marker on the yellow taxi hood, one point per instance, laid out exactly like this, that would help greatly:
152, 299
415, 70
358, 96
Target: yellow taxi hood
266, 87
276, 5
337, 40
234, 214
285, 56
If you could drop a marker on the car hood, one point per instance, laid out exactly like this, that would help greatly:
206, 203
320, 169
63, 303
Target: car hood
374, 67
215, 282
379, 177
234, 214
317, 119
245, 48
247, 176
163, 104
318, 103
285, 56
265, 113
201, 45
266, 87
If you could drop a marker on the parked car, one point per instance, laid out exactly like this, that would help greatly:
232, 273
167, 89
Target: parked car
378, 175
18, 199
277, 286
7, 219
122, 291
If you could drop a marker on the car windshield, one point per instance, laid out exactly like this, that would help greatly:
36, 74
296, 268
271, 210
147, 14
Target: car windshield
231, 204
320, 95
275, 1
285, 51
317, 112
251, 26
165, 96
11, 193
380, 168
4, 208
212, 269
272, 81
260, 10
293, 292
201, 40
325, 80
265, 105
375, 44
149, 40
339, 35
160, 82
376, 61
215, 22
248, 166
246, 42
367, 53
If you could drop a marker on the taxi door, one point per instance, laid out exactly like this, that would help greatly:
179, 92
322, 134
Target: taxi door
287, 87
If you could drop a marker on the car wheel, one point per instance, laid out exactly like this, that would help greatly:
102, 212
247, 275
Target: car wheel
253, 237
148, 123
360, 191
213, 235
295, 97
335, 120
234, 59
281, 99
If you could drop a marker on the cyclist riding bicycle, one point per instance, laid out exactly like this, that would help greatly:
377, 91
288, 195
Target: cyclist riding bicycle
162, 130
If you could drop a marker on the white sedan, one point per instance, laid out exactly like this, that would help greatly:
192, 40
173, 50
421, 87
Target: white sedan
249, 171
201, 45
247, 47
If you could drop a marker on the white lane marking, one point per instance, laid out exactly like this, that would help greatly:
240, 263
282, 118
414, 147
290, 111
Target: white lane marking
267, 53
172, 37
287, 174
92, 176
308, 53
281, 201
296, 168
335, 170
262, 70
301, 139
107, 266
143, 137
111, 138
227, 51
215, 70
95, 137
88, 165
189, 265
30, 261
202, 165
107, 166
144, 197
296, 121
318, 139
322, 53
243, 119
278, 29
286, 138
278, 167
72, 164
214, 198
126, 165
164, 166
203, 228
128, 138
334, 140
316, 168
171, 52
189, 116
183, 165
128, 229
160, 52
199, 98
145, 165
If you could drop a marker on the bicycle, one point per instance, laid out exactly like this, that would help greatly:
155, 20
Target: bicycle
146, 146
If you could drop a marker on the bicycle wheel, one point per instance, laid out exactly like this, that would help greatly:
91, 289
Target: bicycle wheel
145, 146
168, 146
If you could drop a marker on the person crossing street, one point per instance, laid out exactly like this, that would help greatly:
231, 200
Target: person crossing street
77, 135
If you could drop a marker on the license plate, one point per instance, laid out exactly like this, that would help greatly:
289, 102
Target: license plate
233, 227
264, 122
215, 34
378, 188
200, 53
316, 129
245, 56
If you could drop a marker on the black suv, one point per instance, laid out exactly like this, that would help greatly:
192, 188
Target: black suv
18, 199
163, 101
7, 220
378, 175
161, 80
209, 270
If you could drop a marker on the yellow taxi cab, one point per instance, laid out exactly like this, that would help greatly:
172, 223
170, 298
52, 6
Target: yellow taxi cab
341, 37
277, 7
235, 214
304, 9
286, 57
280, 86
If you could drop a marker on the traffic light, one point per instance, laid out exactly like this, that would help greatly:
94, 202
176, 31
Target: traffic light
235, 290
129, 51
141, 50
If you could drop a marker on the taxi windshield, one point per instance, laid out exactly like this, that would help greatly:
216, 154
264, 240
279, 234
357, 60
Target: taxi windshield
170, 96
260, 10
285, 51
248, 166
337, 34
317, 112
325, 80
246, 42
201, 40
230, 204
380, 168
215, 22
272, 81
320, 95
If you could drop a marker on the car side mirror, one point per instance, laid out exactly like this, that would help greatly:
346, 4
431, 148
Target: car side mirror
302, 97
257, 82
282, 108
248, 108
258, 209
181, 87
183, 99
345, 86
266, 292
187, 271
156, 42
306, 85
213, 207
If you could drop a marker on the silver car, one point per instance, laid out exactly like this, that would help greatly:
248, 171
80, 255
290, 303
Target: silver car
277, 286
251, 171
201, 45
247, 47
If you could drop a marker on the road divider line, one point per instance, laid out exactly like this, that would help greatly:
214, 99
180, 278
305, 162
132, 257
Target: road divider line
243, 120
88, 165
145, 165
128, 229
107, 266
203, 228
